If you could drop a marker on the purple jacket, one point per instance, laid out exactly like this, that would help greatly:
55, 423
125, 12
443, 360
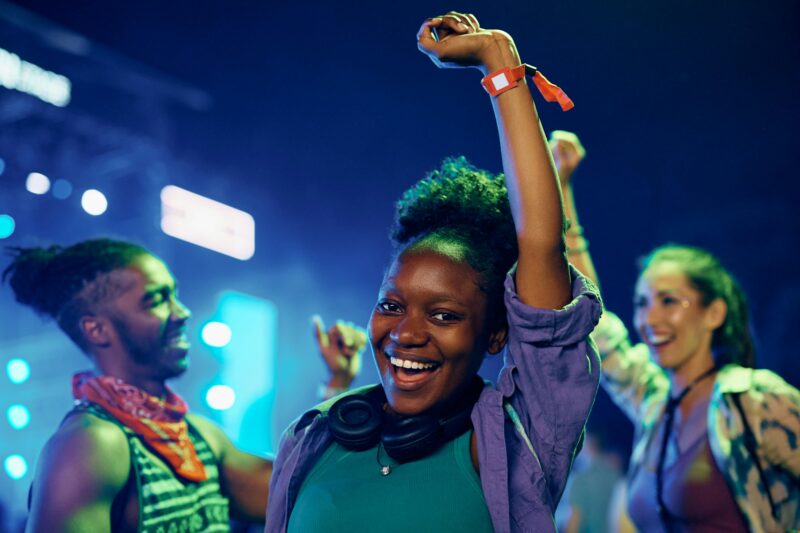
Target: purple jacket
528, 428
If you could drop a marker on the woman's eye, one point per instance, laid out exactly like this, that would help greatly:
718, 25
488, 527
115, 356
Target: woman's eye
444, 316
639, 303
669, 300
389, 307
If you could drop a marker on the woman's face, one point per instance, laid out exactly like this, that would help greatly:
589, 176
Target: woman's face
671, 319
428, 330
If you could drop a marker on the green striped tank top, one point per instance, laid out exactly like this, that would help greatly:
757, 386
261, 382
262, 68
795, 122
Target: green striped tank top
346, 492
167, 503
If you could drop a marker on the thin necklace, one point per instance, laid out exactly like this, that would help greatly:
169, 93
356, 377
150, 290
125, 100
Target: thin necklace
385, 469
669, 418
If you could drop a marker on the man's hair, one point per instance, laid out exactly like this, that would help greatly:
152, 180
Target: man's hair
462, 212
67, 283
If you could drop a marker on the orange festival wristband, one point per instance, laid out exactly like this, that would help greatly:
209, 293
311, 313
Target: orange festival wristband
507, 78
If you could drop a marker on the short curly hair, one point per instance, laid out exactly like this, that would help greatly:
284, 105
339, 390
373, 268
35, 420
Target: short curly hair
65, 283
464, 213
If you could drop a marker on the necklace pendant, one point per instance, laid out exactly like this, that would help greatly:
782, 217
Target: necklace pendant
386, 470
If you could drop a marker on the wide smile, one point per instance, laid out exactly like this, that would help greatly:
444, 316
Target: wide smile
411, 373
659, 342
178, 341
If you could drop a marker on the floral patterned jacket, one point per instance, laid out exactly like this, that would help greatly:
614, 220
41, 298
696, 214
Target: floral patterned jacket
753, 425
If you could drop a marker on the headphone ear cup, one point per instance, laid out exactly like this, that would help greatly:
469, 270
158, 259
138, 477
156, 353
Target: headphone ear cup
412, 438
356, 422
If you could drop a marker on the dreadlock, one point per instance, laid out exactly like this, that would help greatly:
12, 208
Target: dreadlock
67, 283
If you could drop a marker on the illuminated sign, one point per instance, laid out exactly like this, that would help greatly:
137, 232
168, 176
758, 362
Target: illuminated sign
207, 223
20, 75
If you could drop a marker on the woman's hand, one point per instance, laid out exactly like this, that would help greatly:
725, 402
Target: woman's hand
568, 152
456, 40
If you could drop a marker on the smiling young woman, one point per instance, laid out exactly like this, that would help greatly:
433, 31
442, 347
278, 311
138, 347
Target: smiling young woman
717, 442
479, 268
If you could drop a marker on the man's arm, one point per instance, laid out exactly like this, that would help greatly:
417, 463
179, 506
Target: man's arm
80, 471
244, 477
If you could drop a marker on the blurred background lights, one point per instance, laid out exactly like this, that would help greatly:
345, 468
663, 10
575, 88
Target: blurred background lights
62, 189
37, 183
216, 334
16, 466
18, 370
2, 166
220, 397
94, 202
7, 226
18, 416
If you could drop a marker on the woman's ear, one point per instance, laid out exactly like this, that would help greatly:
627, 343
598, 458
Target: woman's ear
716, 313
497, 340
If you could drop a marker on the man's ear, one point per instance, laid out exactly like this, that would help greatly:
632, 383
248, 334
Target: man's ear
497, 340
97, 330
716, 313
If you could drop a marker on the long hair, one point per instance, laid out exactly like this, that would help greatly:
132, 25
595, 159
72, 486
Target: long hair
732, 342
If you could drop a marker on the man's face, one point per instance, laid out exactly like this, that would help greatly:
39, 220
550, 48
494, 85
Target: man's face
150, 321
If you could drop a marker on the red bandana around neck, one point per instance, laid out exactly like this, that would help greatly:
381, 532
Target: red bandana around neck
161, 423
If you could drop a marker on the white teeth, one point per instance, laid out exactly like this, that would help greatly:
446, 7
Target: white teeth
659, 339
414, 365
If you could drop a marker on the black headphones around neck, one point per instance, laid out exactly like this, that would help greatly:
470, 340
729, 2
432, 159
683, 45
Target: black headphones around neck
358, 422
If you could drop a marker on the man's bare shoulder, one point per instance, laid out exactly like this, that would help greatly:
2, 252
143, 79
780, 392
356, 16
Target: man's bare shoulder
211, 433
92, 446
82, 468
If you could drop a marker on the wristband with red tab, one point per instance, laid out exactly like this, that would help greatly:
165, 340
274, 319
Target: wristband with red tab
507, 78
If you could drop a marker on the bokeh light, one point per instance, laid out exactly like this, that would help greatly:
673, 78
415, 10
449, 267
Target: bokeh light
18, 416
94, 202
216, 334
16, 466
7, 226
62, 189
18, 370
37, 183
220, 397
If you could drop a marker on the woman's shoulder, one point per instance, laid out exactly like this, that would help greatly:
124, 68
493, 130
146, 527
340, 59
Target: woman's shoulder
301, 423
734, 378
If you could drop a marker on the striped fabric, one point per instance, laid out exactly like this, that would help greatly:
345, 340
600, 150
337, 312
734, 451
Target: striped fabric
168, 504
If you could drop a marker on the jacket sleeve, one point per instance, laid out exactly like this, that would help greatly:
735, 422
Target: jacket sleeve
629, 374
551, 374
775, 406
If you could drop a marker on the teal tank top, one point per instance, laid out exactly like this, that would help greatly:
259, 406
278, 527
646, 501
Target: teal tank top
167, 503
346, 492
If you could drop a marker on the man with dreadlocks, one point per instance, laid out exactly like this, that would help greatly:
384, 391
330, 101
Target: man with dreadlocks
129, 457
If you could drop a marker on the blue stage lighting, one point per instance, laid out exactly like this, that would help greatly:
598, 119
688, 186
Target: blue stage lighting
94, 202
216, 334
37, 183
16, 466
62, 189
18, 370
7, 226
221, 397
18, 416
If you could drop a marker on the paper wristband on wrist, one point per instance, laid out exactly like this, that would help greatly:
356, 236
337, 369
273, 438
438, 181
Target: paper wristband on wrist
507, 78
